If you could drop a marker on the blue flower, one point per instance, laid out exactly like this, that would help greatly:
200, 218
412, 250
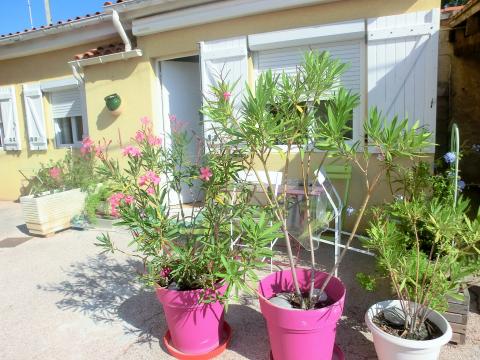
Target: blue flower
449, 157
461, 185
349, 210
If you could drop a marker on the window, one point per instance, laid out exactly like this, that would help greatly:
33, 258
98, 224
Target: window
68, 130
287, 59
68, 119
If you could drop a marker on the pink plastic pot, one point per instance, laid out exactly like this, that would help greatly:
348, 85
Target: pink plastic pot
195, 327
301, 334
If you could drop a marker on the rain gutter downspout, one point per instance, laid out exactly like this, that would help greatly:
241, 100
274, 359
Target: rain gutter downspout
121, 31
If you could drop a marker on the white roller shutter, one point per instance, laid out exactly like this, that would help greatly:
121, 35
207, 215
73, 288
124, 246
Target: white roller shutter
35, 117
289, 59
226, 57
66, 103
402, 65
9, 117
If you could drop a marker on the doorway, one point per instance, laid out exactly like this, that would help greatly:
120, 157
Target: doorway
180, 82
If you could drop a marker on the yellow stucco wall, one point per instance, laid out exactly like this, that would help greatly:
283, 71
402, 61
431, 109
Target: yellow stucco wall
135, 79
19, 71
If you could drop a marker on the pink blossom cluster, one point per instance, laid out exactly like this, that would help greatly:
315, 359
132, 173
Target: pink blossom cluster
205, 173
131, 151
146, 133
54, 172
115, 200
150, 179
87, 146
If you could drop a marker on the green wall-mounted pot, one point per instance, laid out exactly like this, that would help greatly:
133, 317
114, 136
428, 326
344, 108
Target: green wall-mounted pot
113, 102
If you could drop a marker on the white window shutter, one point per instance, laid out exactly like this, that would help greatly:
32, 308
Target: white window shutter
402, 55
9, 117
34, 113
227, 58
66, 103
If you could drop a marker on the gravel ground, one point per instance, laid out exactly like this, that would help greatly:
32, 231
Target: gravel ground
61, 299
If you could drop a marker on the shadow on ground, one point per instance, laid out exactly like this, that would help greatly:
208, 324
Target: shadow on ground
108, 291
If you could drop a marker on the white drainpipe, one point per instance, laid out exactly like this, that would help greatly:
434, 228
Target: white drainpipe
121, 31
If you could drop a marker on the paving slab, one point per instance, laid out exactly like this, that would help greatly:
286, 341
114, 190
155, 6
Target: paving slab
61, 299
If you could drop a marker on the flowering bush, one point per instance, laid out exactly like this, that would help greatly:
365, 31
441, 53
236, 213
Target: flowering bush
73, 171
184, 246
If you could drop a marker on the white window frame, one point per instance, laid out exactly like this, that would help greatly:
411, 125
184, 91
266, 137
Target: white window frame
76, 144
51, 86
357, 126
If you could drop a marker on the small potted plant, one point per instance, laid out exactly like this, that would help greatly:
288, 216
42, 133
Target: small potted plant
306, 112
58, 192
425, 246
186, 249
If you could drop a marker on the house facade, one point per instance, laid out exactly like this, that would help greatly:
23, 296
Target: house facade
160, 56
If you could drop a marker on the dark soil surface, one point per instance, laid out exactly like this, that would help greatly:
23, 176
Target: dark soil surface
428, 331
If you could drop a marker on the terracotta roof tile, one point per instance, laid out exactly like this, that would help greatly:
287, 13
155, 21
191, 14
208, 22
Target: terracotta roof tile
58, 23
100, 51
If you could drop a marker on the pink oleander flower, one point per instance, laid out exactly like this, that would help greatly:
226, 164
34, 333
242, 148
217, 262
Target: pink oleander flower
129, 199
87, 146
139, 136
149, 178
205, 173
145, 120
153, 177
114, 201
165, 272
99, 150
154, 140
150, 191
131, 151
54, 172
175, 124
226, 95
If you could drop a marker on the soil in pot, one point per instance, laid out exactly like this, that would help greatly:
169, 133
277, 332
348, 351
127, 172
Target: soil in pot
290, 300
396, 327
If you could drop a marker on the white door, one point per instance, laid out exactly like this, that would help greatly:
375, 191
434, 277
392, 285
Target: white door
182, 98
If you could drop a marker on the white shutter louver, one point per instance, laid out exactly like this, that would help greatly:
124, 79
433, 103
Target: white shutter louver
9, 118
402, 65
35, 117
289, 59
227, 58
66, 103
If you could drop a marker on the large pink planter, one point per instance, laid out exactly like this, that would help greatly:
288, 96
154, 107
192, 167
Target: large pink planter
301, 334
195, 327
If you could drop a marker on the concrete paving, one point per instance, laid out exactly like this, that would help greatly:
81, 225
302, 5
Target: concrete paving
61, 299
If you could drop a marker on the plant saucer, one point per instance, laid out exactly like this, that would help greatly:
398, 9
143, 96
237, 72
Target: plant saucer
227, 331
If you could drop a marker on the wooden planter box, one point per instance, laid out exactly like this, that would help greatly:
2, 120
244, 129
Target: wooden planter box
47, 214
457, 316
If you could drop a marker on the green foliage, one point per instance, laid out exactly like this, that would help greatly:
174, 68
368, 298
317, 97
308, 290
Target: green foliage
424, 244
94, 201
309, 111
187, 246
368, 282
73, 171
